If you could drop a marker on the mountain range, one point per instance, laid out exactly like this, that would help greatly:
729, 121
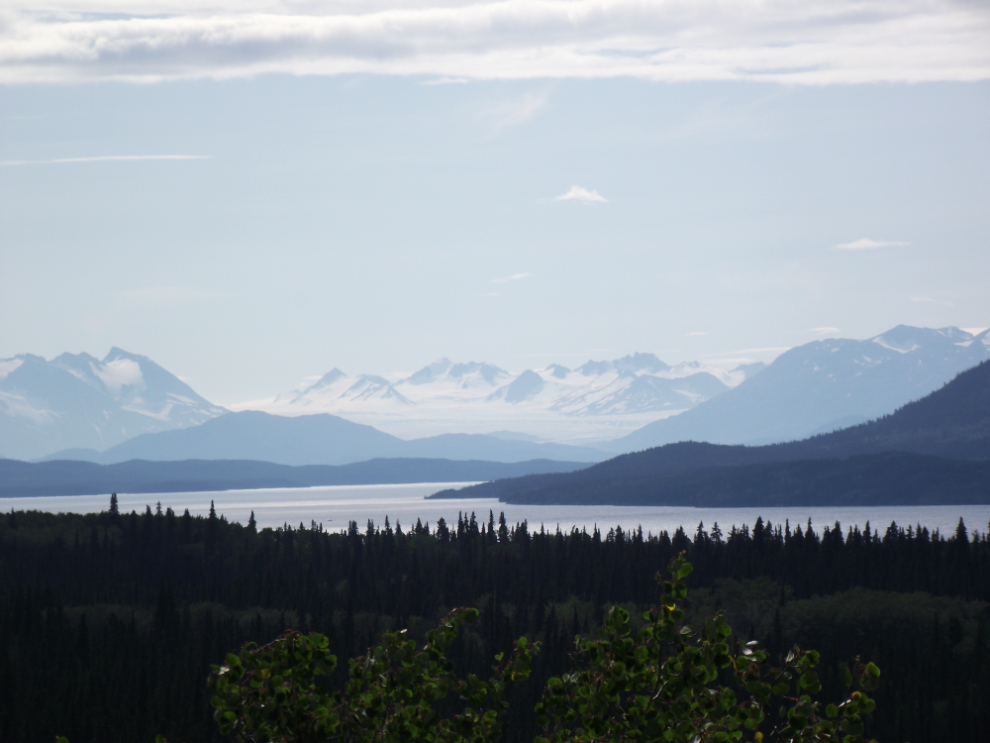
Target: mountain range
934, 450
822, 386
126, 406
78, 401
594, 402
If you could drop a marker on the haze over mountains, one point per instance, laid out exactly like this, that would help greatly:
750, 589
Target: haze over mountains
932, 451
127, 407
823, 386
78, 401
599, 400
318, 439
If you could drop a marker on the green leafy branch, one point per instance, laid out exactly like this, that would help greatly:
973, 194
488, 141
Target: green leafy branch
392, 693
663, 686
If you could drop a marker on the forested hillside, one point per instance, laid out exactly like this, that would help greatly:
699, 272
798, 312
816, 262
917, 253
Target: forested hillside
109, 622
892, 478
906, 457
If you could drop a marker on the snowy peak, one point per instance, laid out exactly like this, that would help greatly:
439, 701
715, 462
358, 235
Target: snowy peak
905, 339
594, 368
597, 401
824, 385
10, 365
337, 391
472, 375
371, 387
140, 385
470, 372
78, 401
326, 380
642, 362
526, 385
634, 363
430, 373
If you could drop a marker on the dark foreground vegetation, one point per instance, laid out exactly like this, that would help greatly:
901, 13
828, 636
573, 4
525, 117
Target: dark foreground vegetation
110, 622
666, 682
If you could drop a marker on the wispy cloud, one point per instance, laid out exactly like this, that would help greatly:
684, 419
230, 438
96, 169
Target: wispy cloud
447, 81
513, 277
865, 243
697, 332
581, 194
104, 158
515, 112
931, 300
803, 43
825, 331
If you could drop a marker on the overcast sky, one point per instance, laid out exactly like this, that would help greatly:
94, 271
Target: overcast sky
254, 192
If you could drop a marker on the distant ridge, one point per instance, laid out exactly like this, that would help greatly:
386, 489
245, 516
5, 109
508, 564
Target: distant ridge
820, 387
914, 451
319, 439
22, 479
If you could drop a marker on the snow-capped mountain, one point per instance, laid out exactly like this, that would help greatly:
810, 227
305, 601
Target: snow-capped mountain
822, 386
596, 401
78, 401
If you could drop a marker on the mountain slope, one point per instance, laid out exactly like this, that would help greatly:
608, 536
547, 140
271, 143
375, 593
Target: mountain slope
305, 439
76, 400
890, 478
318, 439
821, 385
952, 422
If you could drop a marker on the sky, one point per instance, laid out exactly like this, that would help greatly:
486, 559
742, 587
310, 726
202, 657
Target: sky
255, 192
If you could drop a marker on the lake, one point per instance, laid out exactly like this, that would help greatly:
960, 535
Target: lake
334, 507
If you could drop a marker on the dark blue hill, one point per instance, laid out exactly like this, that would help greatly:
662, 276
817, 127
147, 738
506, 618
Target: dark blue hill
952, 423
63, 477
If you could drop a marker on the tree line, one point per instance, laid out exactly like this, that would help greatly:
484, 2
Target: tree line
111, 621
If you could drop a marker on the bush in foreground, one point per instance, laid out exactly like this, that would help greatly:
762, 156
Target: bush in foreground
671, 683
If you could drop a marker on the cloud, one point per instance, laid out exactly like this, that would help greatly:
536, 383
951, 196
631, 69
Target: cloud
930, 300
800, 43
104, 158
516, 112
697, 332
825, 331
513, 277
865, 243
581, 194
447, 81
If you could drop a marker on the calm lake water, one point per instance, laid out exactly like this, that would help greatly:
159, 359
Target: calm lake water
334, 507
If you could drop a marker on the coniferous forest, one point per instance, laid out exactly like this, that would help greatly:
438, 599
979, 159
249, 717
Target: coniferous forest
110, 622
